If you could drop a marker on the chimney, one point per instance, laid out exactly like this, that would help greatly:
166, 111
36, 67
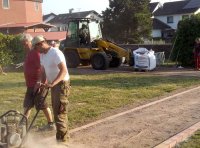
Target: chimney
70, 10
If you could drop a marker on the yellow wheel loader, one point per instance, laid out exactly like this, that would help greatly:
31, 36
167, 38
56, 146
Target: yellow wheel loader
84, 46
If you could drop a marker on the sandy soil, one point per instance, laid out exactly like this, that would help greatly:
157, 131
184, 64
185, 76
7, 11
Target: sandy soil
142, 128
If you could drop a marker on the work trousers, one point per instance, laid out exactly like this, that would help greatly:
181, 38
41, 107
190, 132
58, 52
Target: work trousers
59, 98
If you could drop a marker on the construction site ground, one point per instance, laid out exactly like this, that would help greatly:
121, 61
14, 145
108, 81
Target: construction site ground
144, 126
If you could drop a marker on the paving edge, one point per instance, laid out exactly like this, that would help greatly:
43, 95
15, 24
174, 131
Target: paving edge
131, 110
180, 137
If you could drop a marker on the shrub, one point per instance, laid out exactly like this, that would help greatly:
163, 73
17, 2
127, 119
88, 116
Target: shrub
11, 50
188, 30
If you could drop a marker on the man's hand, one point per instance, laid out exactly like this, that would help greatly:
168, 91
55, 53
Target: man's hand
37, 87
49, 85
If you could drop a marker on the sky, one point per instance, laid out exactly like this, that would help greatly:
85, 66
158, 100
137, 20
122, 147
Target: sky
63, 6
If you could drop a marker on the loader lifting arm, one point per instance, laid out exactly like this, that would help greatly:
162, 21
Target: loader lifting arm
110, 46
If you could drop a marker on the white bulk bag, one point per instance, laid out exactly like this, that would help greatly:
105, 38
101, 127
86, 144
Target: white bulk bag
144, 59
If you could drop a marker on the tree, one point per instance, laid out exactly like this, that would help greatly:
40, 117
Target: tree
11, 50
188, 30
127, 21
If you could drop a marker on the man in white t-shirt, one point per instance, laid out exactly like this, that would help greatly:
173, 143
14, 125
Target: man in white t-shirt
54, 67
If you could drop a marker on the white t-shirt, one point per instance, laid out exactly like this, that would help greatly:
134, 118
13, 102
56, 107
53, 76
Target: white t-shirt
50, 61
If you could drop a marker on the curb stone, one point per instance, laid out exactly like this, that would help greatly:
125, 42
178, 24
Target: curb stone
180, 137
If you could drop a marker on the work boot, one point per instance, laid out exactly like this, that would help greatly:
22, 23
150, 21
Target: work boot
49, 127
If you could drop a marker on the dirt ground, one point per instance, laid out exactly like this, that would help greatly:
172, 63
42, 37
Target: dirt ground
162, 71
143, 128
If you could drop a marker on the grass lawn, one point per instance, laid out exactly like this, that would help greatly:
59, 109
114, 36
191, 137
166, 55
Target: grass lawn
95, 94
192, 142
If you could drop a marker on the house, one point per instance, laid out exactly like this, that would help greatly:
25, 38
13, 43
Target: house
18, 16
20, 11
48, 17
24, 16
167, 15
61, 20
159, 28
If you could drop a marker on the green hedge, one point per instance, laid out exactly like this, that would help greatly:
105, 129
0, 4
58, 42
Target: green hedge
188, 30
11, 50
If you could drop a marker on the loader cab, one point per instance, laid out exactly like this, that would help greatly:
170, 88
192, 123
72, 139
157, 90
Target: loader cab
81, 32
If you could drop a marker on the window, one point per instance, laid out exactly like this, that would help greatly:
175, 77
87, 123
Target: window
36, 6
185, 17
170, 19
6, 4
72, 30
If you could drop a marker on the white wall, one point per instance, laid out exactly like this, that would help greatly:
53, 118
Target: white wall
176, 19
94, 16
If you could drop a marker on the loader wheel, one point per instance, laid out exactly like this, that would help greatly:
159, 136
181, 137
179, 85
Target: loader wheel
72, 58
115, 62
131, 61
99, 61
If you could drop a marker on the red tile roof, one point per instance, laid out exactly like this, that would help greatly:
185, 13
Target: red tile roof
50, 36
26, 25
57, 36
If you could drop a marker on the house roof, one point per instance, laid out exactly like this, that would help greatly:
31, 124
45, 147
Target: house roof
26, 25
63, 18
51, 36
157, 24
192, 4
152, 6
48, 15
177, 7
